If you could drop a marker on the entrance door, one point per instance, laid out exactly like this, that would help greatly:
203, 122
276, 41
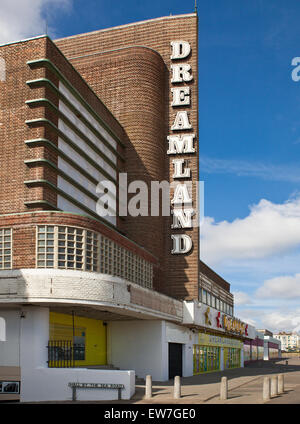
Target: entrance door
175, 360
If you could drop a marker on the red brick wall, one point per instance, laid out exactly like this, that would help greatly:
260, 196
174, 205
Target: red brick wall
135, 84
24, 234
14, 131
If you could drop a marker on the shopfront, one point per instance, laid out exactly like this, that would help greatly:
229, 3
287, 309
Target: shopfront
254, 349
216, 353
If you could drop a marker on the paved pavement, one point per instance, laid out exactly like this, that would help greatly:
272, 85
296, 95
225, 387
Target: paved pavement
245, 386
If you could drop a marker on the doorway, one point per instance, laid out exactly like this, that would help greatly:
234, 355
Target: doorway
175, 360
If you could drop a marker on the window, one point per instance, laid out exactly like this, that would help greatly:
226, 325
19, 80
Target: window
45, 247
91, 254
70, 248
217, 304
208, 299
200, 295
79, 249
204, 298
213, 301
5, 248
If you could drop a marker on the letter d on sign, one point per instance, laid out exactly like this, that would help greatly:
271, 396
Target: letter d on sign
182, 244
180, 49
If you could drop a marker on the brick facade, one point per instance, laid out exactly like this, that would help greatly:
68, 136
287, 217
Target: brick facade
124, 75
129, 68
24, 234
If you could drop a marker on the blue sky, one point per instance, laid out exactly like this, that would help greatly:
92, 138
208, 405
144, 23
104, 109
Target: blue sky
249, 134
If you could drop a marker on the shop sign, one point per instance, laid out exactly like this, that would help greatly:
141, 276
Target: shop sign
181, 143
219, 341
207, 316
232, 325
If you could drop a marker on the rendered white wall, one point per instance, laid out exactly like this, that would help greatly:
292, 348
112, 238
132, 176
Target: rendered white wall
144, 346
9, 349
40, 383
51, 384
137, 345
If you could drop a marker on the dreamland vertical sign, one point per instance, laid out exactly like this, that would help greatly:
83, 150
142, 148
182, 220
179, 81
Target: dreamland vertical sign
181, 143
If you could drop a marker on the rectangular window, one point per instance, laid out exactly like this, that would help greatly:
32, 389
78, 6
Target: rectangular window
213, 301
45, 246
91, 254
5, 248
71, 246
205, 359
208, 299
204, 298
79, 249
200, 295
217, 304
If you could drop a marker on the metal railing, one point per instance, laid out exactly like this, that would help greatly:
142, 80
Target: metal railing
63, 353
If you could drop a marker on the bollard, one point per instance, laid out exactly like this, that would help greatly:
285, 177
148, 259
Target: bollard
274, 385
280, 383
177, 387
148, 393
266, 389
224, 388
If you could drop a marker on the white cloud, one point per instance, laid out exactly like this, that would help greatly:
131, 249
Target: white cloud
241, 298
289, 321
21, 19
282, 287
269, 229
274, 320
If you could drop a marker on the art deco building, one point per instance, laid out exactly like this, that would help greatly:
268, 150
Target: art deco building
102, 299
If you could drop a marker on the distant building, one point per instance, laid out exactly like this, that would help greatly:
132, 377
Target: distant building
288, 340
263, 347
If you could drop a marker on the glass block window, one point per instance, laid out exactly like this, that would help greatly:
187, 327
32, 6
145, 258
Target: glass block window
5, 248
79, 249
92, 252
70, 248
45, 246
106, 250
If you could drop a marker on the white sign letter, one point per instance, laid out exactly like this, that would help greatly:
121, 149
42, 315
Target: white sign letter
181, 73
181, 121
181, 144
180, 49
181, 96
178, 169
182, 243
